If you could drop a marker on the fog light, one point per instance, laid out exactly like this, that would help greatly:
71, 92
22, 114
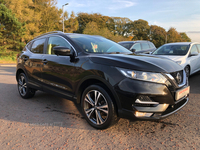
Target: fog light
142, 114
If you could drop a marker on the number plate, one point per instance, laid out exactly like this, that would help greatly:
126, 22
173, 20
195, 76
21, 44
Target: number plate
181, 93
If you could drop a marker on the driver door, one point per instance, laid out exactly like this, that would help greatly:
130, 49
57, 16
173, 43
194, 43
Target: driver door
57, 70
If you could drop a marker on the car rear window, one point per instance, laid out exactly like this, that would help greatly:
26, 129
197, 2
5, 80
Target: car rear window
126, 45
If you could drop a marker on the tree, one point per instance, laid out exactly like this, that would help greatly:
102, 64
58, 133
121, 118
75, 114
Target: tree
93, 29
24, 10
139, 28
84, 19
173, 36
40, 16
11, 30
157, 35
184, 37
71, 25
119, 25
50, 15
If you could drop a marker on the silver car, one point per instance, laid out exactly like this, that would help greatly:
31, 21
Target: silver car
186, 54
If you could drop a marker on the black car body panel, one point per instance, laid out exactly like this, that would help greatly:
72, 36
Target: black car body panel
136, 62
68, 76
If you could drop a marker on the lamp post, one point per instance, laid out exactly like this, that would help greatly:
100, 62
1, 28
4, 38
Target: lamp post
63, 14
166, 38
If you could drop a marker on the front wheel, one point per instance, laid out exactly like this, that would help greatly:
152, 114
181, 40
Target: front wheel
98, 108
24, 90
187, 71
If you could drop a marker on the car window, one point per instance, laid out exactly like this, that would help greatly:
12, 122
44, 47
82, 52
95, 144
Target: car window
38, 46
151, 45
198, 45
97, 44
145, 46
194, 49
29, 45
56, 41
126, 45
137, 47
171, 49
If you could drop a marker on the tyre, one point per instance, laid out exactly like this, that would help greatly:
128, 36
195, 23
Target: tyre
98, 108
24, 90
187, 71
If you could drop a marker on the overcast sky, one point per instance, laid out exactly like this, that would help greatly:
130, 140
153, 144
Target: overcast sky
184, 15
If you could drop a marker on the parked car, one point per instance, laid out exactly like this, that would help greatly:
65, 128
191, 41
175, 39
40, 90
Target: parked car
106, 79
139, 46
186, 54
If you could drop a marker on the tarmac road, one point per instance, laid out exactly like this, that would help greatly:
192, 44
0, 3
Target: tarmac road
49, 122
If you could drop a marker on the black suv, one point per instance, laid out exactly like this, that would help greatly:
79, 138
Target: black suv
139, 46
107, 80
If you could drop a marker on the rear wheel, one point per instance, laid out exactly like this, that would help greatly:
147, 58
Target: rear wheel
24, 90
98, 108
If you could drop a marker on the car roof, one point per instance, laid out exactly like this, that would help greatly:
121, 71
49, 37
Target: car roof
139, 41
62, 33
181, 43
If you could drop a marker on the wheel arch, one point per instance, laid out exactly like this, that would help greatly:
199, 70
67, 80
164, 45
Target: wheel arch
18, 72
101, 82
188, 65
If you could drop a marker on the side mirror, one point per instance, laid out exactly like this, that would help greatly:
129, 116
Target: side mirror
63, 51
133, 50
194, 54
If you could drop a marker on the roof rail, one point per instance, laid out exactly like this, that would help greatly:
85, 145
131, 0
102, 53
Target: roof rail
49, 33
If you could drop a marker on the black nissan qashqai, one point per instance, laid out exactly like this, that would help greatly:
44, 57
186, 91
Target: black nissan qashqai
106, 79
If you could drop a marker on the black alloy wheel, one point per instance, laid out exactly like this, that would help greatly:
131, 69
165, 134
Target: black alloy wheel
24, 90
98, 108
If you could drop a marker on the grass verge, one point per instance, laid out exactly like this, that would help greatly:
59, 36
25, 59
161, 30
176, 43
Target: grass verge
8, 56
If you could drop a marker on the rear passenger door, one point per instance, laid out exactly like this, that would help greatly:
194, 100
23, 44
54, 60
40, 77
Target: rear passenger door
57, 71
33, 61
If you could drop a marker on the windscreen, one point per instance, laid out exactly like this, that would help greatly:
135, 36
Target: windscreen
172, 50
97, 44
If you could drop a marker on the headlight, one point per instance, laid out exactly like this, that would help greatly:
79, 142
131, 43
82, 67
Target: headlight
178, 62
146, 76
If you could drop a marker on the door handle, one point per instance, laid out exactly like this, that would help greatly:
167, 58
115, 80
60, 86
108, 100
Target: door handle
44, 61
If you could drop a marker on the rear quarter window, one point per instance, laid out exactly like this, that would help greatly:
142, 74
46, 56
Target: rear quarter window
38, 46
151, 45
145, 46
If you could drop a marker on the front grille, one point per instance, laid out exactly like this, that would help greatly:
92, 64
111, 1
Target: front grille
174, 75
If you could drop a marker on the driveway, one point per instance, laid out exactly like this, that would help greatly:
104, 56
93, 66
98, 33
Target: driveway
49, 122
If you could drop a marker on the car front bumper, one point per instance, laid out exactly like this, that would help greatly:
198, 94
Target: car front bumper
148, 100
